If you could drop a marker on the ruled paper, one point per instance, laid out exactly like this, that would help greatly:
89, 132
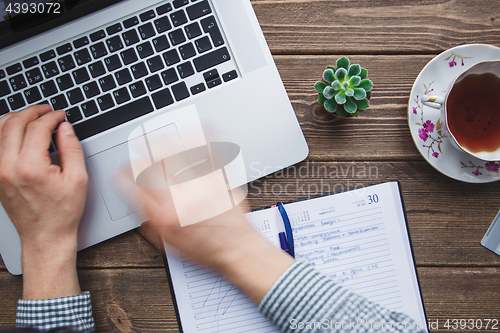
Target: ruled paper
358, 239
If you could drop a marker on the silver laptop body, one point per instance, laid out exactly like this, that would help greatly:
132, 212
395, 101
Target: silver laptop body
227, 73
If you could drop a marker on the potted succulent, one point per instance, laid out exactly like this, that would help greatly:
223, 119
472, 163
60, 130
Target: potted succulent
345, 90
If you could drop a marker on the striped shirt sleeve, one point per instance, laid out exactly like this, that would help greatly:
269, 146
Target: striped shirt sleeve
73, 312
304, 300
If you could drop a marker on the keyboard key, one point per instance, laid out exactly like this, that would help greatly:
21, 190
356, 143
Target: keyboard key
162, 24
161, 43
210, 26
147, 15
34, 76
214, 82
13, 69
146, 31
178, 18
107, 83
50, 69
66, 63
171, 57
97, 69
137, 89
98, 50
81, 75
112, 118
28, 63
123, 76
211, 59
89, 109
169, 76
197, 88
230, 76
180, 3
130, 22
18, 82
203, 44
177, 37
80, 42
64, 82
73, 114
75, 96
114, 44
32, 95
97, 35
144, 50
187, 51
112, 63
121, 95
198, 10
113, 29
130, 37
3, 107
155, 64
16, 101
162, 98
211, 75
48, 88
82, 57
164, 9
91, 89
128, 56
193, 30
59, 102
153, 82
139, 70
2, 74
4, 88
63, 49
185, 70
105, 102
180, 91
47, 55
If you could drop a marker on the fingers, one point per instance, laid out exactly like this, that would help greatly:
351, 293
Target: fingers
14, 127
70, 153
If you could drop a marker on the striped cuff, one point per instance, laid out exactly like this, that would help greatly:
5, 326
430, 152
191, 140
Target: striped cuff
72, 311
304, 300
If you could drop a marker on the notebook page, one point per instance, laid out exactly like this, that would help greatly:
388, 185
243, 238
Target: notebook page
208, 303
359, 239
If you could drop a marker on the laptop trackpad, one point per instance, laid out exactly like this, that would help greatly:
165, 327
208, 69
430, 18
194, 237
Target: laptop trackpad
105, 166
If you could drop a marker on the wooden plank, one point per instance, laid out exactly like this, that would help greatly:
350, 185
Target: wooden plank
380, 133
138, 300
376, 27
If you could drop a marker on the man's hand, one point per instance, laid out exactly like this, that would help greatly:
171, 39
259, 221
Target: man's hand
44, 201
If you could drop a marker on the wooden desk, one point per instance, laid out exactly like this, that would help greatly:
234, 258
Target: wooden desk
393, 39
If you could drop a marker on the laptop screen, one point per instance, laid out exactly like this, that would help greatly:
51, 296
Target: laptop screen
21, 19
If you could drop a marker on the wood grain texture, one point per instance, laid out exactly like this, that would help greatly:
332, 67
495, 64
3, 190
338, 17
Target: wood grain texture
138, 300
376, 27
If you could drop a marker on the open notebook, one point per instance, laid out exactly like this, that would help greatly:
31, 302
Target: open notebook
357, 238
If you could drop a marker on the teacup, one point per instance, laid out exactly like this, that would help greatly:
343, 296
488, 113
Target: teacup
470, 110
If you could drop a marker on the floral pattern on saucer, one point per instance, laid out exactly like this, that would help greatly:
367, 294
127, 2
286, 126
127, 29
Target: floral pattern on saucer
425, 126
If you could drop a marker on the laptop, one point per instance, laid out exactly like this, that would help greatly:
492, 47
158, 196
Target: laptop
114, 66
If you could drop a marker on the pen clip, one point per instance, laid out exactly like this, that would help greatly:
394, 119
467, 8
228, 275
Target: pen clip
288, 228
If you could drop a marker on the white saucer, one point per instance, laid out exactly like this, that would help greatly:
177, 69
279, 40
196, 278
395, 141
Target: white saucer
424, 122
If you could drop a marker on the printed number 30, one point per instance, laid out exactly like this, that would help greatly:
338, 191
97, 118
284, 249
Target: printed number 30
372, 199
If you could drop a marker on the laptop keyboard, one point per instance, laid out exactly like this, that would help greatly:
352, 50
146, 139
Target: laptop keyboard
125, 70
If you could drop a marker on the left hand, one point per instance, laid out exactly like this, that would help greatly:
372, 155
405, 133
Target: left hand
44, 201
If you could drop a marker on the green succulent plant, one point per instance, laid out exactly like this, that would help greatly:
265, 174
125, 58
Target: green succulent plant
345, 90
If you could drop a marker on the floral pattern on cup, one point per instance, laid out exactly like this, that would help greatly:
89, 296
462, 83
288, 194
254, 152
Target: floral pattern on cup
492, 169
453, 63
426, 133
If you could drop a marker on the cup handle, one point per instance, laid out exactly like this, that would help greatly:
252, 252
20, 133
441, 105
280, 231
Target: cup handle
432, 101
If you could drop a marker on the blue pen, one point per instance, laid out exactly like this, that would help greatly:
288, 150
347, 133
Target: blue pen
288, 229
284, 242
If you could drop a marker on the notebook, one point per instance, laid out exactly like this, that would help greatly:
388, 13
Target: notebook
357, 238
116, 66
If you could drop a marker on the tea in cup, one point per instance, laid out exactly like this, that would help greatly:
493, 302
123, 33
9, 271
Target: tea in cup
470, 110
